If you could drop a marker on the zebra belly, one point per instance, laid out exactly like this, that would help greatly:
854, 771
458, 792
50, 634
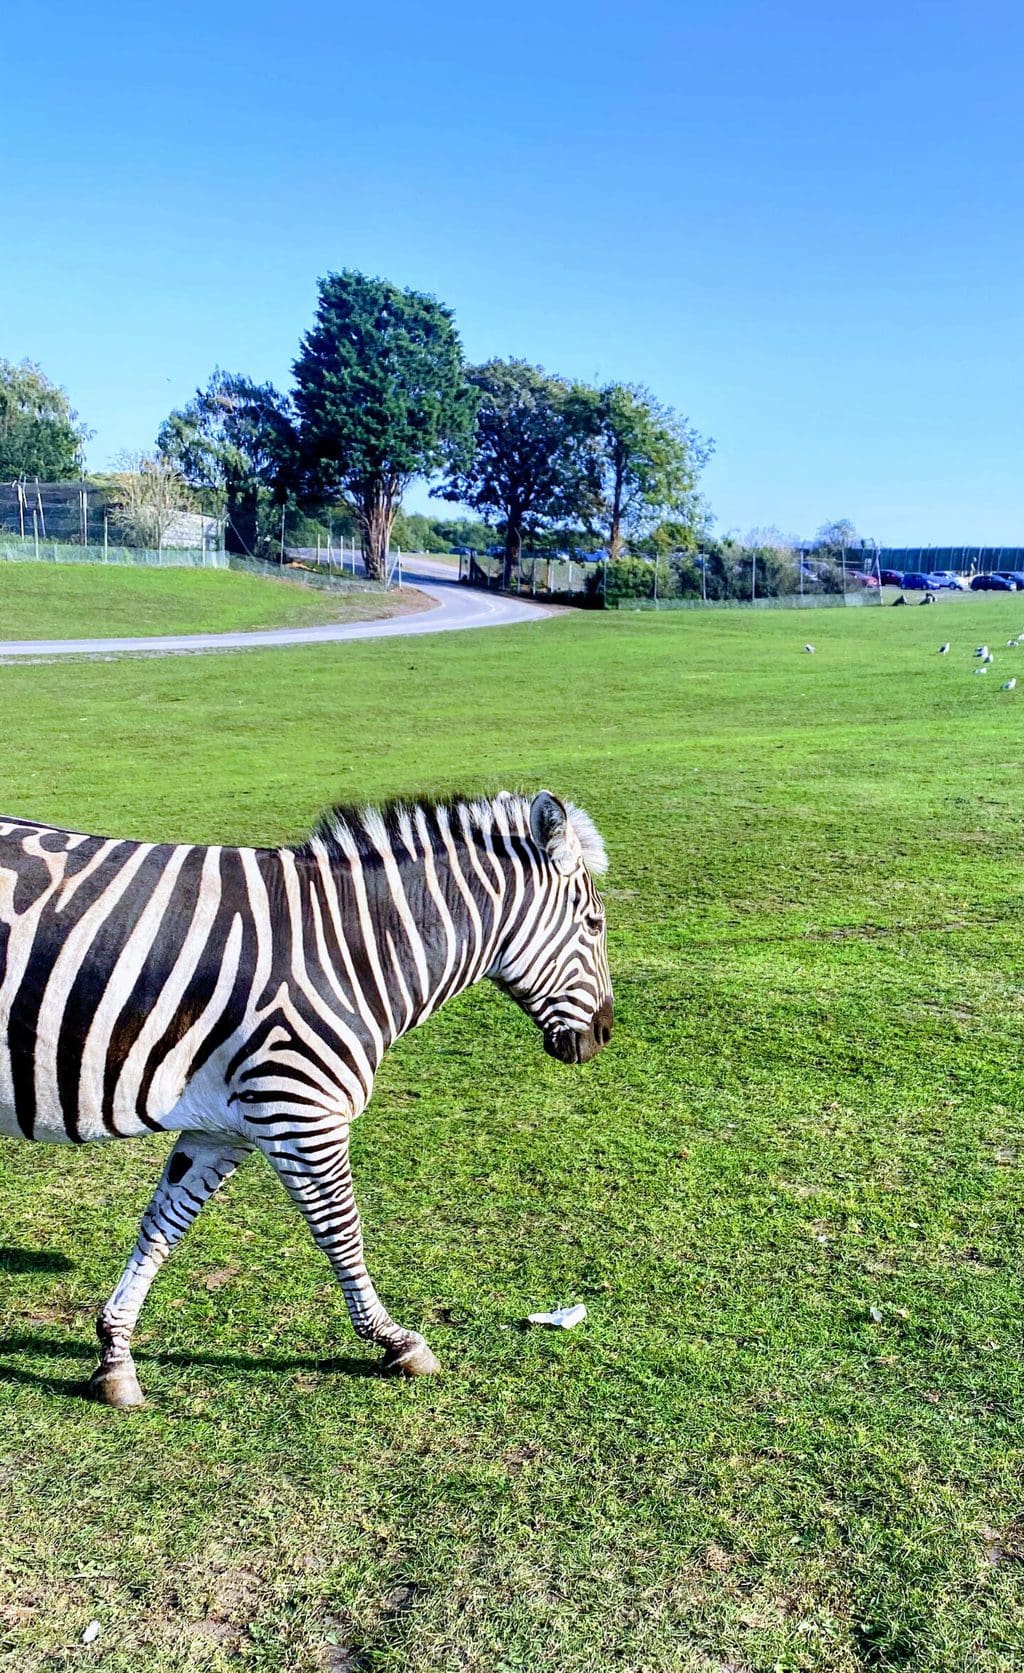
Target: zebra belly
199, 1105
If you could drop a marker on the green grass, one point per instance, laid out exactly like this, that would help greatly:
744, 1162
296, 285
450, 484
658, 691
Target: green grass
810, 1109
71, 601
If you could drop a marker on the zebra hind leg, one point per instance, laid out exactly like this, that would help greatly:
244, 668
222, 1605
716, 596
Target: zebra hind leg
319, 1182
196, 1168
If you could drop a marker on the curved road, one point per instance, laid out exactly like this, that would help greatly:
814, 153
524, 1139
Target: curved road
455, 607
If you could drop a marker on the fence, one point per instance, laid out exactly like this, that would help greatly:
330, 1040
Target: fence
962, 560
539, 576
53, 551
34, 550
639, 584
786, 601
81, 514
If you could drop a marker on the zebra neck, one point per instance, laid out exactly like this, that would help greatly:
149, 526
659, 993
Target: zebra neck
417, 931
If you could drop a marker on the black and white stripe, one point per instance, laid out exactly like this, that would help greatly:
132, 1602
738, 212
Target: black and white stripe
244, 998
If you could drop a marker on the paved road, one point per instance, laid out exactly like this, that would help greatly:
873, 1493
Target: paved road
455, 608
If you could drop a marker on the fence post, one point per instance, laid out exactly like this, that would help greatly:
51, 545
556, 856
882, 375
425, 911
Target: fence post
35, 532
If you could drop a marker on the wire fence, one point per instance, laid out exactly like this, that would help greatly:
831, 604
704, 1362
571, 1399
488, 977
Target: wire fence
82, 514
34, 550
683, 581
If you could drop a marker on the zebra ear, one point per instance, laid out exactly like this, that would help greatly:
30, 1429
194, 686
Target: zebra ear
552, 831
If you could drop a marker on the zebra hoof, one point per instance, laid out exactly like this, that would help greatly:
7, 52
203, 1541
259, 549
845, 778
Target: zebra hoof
413, 1360
117, 1387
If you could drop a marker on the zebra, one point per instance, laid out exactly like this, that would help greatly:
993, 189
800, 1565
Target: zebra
243, 998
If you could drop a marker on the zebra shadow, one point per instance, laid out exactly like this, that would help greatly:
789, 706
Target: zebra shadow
33, 1260
347, 1365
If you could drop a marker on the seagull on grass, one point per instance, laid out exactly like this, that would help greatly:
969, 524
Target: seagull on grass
987, 657
1009, 685
981, 670
944, 649
982, 650
809, 649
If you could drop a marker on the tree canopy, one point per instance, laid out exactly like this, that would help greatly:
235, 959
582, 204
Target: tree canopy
381, 396
529, 464
237, 439
647, 464
40, 433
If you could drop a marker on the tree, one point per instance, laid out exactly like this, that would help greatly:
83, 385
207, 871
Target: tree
381, 396
147, 494
833, 540
530, 463
40, 433
648, 462
236, 439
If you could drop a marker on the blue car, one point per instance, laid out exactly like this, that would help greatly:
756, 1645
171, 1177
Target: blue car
993, 584
916, 583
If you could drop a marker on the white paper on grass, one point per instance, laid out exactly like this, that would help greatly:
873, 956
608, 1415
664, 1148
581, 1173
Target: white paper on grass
563, 1318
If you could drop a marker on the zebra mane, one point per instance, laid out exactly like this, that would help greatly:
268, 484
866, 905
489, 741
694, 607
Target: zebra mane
353, 831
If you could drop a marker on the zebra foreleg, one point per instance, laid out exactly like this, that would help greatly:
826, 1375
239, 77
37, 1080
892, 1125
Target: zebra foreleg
196, 1168
318, 1177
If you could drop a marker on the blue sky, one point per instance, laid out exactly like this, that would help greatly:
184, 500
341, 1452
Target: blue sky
799, 224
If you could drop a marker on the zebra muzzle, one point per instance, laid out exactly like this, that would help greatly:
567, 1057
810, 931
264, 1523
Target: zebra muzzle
571, 1045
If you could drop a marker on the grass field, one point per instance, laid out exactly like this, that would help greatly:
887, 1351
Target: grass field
810, 1110
71, 601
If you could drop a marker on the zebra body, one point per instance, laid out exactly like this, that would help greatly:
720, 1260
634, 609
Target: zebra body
244, 998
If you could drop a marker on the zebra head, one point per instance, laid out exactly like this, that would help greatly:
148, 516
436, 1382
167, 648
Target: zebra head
555, 962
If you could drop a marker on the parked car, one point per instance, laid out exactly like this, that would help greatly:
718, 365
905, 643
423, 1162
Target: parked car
947, 580
916, 583
891, 577
993, 584
1014, 575
861, 578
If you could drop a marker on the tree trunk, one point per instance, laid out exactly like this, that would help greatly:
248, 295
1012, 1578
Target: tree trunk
513, 550
377, 509
615, 529
241, 531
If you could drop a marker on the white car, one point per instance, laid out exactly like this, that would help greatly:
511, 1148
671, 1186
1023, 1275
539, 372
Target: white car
947, 578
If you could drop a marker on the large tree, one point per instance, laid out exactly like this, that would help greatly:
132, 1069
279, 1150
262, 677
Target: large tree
235, 438
381, 396
530, 463
647, 461
40, 433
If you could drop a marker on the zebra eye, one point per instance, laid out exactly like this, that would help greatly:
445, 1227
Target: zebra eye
593, 923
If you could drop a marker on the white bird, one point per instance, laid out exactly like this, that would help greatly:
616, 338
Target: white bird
987, 657
982, 650
809, 649
982, 670
944, 649
1009, 685
1011, 644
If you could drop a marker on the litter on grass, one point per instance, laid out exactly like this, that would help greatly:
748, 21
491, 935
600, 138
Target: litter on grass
563, 1318
91, 1633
